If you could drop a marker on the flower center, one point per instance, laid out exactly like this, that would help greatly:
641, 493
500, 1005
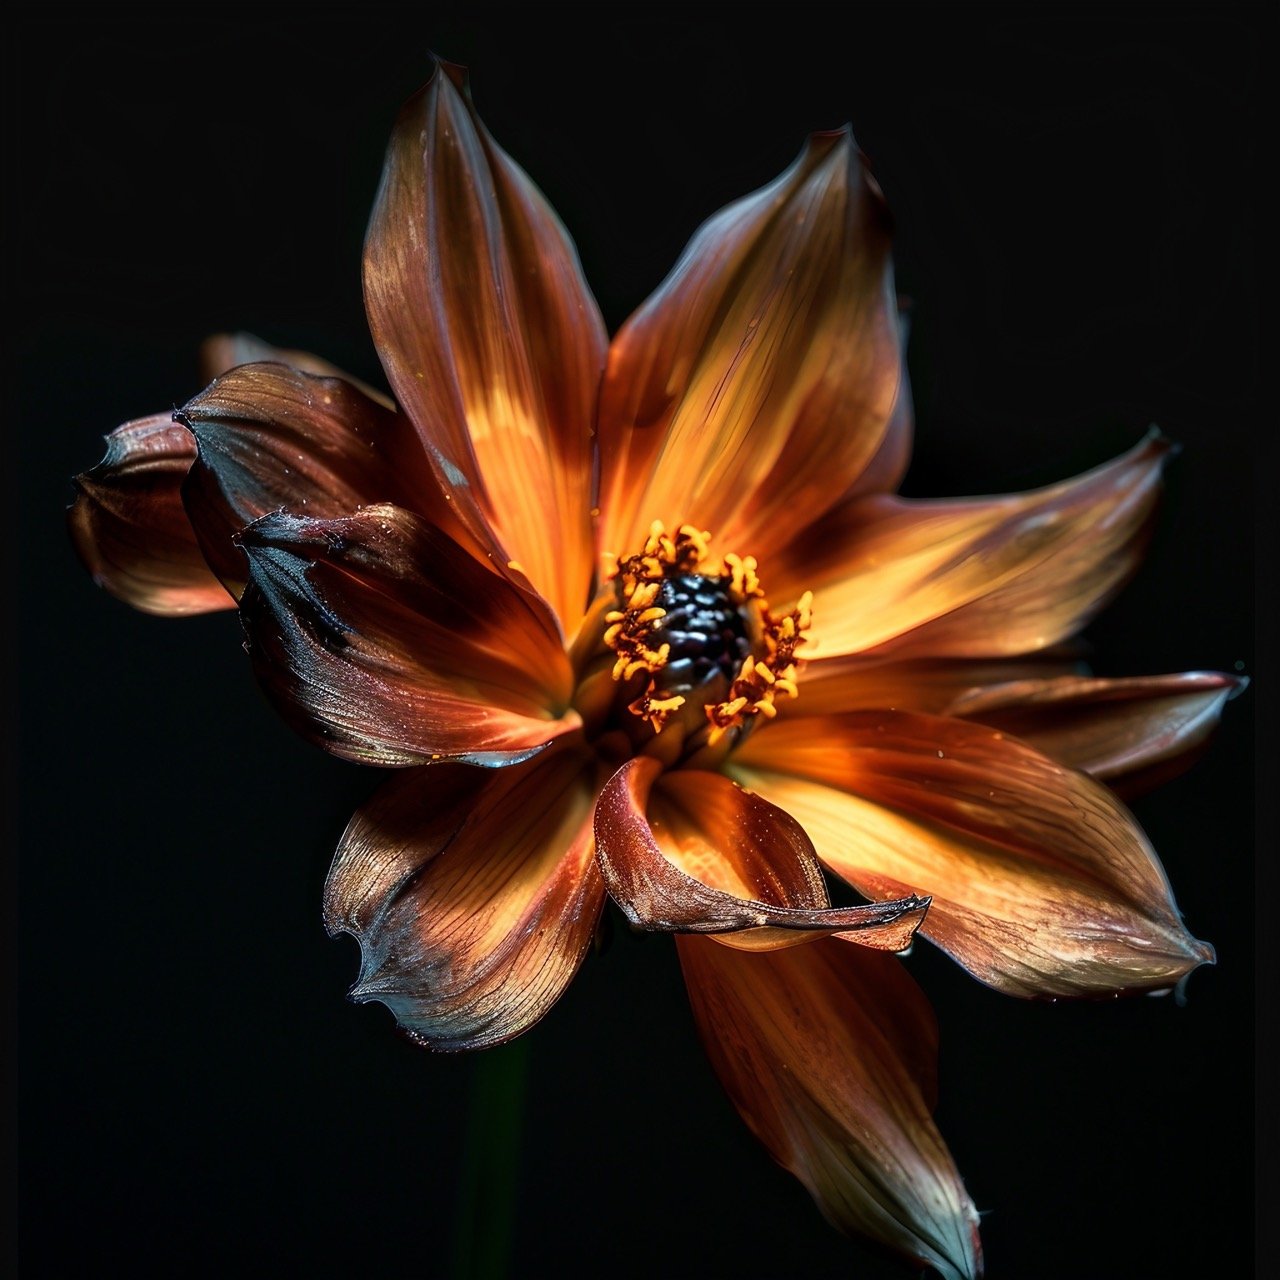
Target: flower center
704, 629
700, 634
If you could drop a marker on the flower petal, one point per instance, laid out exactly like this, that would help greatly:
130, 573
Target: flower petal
852, 683
762, 376
128, 522
1133, 732
1042, 883
129, 527
975, 577
270, 437
473, 894
489, 337
698, 854
380, 639
222, 352
829, 1053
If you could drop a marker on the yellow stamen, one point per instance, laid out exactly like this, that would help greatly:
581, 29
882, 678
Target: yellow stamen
763, 677
656, 710
762, 681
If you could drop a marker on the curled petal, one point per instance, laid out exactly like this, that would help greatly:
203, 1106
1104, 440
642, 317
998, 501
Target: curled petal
128, 522
1042, 883
129, 527
1133, 731
271, 438
489, 338
764, 372
976, 577
380, 639
698, 854
473, 894
830, 1054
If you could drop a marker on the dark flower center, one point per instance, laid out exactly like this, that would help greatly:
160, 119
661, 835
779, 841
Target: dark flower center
705, 644
705, 629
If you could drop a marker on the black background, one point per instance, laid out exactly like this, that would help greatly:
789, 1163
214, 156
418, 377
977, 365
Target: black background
1074, 199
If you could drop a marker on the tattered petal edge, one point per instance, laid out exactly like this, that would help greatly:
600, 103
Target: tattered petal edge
473, 894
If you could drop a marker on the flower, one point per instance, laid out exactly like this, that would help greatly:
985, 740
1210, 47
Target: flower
644, 619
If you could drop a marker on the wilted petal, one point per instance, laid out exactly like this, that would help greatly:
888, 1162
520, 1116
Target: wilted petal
1042, 883
1132, 731
380, 639
762, 375
224, 351
129, 527
489, 337
696, 853
273, 438
473, 894
830, 1053
975, 577
128, 522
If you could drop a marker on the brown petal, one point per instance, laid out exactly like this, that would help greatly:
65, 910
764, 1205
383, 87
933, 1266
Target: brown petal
975, 577
489, 337
129, 527
273, 438
698, 854
473, 894
762, 376
1133, 732
1042, 882
379, 638
128, 522
225, 351
829, 1053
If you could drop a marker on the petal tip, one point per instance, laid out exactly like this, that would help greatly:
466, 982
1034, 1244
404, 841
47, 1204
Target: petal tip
1155, 444
823, 140
456, 73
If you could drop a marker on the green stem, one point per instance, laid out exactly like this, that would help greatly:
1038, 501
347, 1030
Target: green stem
490, 1165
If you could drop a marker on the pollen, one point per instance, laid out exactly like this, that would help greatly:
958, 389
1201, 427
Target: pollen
654, 708
700, 633
762, 680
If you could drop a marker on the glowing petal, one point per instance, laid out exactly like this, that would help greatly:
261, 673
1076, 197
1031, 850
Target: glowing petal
829, 1052
698, 854
1042, 883
381, 640
473, 894
975, 577
851, 683
762, 377
489, 338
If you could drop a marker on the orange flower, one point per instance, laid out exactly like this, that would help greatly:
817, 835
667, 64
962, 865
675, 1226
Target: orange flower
643, 619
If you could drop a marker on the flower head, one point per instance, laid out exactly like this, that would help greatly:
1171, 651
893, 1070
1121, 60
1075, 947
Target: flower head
644, 619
